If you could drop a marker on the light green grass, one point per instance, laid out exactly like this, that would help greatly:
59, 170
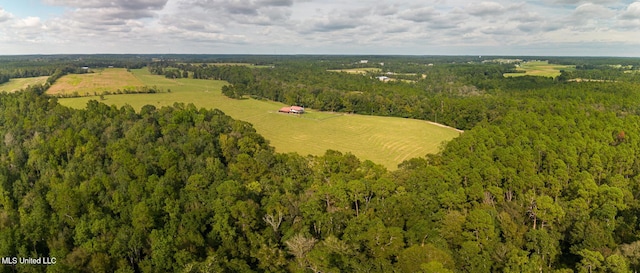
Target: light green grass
21, 83
383, 140
358, 70
540, 68
104, 80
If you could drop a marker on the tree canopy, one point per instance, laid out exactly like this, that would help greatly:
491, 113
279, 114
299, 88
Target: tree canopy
547, 181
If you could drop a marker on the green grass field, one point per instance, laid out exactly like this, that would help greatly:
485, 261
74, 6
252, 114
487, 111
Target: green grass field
21, 83
109, 79
383, 140
358, 70
540, 68
250, 65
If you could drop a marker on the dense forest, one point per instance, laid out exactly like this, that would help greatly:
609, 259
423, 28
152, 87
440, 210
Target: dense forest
546, 179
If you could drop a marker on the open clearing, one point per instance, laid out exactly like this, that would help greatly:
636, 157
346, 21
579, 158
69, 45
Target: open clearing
358, 70
21, 83
109, 79
250, 65
383, 140
540, 68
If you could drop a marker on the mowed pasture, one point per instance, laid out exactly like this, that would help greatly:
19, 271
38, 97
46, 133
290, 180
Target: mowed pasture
540, 68
21, 83
383, 140
358, 70
250, 65
98, 82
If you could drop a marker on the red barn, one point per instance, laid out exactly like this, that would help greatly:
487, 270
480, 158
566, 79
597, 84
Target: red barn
285, 110
297, 109
292, 110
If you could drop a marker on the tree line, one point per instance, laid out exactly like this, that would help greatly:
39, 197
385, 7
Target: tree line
457, 95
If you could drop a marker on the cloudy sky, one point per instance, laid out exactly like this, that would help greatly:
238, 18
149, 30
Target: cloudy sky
416, 27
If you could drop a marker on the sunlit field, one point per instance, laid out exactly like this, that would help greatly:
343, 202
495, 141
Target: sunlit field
358, 70
21, 83
540, 68
96, 83
383, 140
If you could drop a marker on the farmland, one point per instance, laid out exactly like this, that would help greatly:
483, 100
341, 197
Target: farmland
540, 68
21, 83
544, 178
250, 65
383, 140
101, 81
358, 70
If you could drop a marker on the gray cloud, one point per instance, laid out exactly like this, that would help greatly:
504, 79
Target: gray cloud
386, 10
443, 25
95, 18
588, 17
125, 4
398, 28
578, 2
419, 15
486, 9
255, 12
528, 17
238, 6
316, 26
631, 12
539, 27
5, 16
113, 16
328, 24
497, 30
241, 7
186, 23
629, 19
277, 3
590, 10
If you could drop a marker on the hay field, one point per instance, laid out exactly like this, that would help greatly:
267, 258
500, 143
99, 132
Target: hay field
540, 68
250, 65
358, 70
21, 83
383, 140
104, 80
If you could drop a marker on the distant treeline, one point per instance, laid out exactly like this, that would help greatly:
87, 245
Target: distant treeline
134, 90
56, 66
458, 95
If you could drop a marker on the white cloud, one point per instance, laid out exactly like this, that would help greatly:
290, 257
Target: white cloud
124, 4
484, 9
578, 2
5, 16
328, 26
593, 11
632, 12
424, 14
28, 23
629, 19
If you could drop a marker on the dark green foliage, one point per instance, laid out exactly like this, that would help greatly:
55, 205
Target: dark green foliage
548, 179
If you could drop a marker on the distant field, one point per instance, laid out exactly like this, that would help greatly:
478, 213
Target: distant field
358, 70
110, 79
238, 64
383, 140
21, 83
540, 68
